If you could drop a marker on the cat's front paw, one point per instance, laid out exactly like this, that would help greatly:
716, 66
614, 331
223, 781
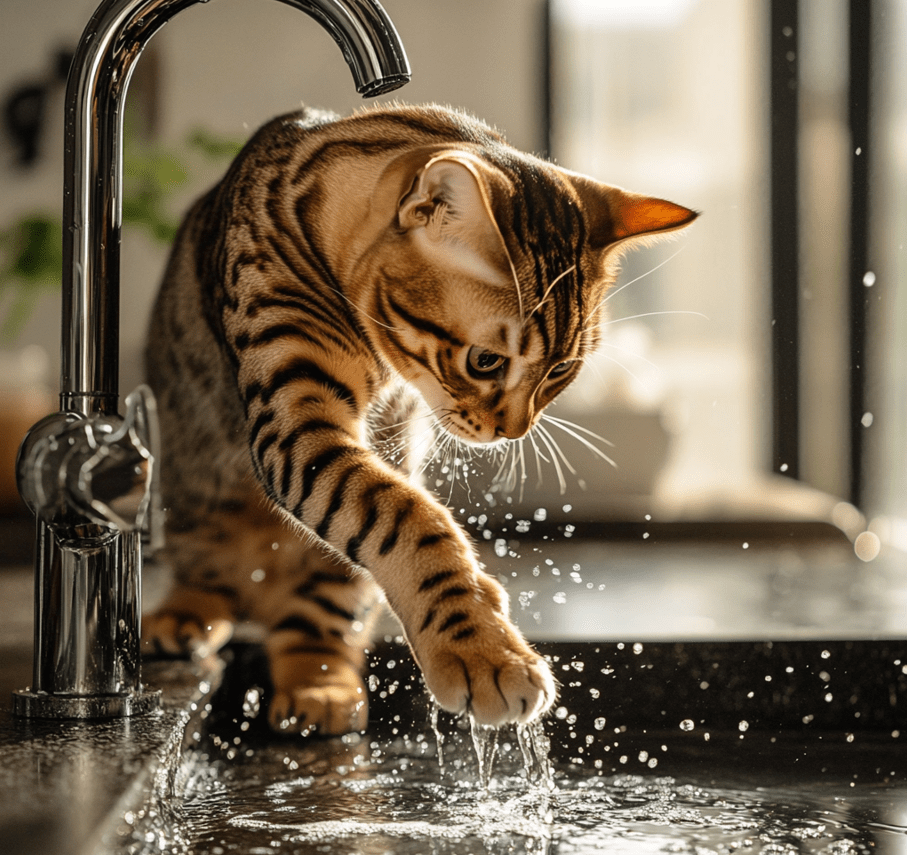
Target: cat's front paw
328, 710
315, 693
482, 665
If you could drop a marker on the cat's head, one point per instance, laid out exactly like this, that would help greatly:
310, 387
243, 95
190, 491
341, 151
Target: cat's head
490, 290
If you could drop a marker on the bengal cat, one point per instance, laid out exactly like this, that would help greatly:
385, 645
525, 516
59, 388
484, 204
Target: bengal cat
344, 276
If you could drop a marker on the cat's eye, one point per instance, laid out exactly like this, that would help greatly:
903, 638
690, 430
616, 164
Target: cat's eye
481, 362
560, 369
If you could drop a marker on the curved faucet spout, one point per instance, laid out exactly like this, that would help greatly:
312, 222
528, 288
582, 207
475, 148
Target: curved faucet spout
86, 472
92, 195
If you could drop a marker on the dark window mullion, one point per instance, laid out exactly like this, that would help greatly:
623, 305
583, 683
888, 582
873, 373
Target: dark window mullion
785, 286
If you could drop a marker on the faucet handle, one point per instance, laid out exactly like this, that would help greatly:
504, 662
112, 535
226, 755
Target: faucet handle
117, 481
99, 469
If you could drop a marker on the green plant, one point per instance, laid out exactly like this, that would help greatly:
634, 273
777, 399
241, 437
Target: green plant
31, 249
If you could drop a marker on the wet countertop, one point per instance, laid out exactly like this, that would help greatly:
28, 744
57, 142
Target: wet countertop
66, 786
791, 636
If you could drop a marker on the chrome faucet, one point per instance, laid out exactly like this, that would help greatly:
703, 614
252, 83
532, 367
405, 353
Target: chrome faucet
88, 474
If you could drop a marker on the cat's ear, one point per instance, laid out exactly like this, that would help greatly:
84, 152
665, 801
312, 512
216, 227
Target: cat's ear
614, 215
448, 202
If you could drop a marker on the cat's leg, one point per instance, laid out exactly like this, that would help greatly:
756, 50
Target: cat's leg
455, 616
319, 623
198, 615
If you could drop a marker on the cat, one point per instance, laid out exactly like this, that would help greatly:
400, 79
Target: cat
345, 276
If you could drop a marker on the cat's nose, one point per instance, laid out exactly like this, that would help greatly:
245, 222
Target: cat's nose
514, 430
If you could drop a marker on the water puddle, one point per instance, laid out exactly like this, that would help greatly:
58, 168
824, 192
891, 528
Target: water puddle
352, 795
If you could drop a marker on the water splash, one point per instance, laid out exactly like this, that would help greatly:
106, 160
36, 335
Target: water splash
536, 749
439, 736
485, 741
397, 803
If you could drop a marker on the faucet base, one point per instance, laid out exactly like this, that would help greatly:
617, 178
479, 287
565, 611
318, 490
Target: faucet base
28, 704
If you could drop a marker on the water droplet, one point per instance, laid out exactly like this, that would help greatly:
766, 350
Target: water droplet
687, 725
251, 704
867, 546
258, 575
560, 598
540, 515
500, 547
867, 419
743, 726
599, 724
869, 279
783, 467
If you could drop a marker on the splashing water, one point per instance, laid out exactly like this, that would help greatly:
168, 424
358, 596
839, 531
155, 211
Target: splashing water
534, 747
485, 741
391, 799
536, 750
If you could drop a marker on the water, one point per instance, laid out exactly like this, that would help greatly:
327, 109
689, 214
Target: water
359, 795
644, 757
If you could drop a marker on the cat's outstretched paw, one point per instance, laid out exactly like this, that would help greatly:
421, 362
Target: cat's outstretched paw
495, 686
328, 710
486, 667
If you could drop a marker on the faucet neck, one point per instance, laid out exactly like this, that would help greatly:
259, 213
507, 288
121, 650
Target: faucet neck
93, 166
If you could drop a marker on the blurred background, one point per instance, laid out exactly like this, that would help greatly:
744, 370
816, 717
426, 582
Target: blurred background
753, 370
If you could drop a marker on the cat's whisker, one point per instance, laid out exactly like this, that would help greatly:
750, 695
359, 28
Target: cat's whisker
496, 478
554, 282
652, 314
503, 243
562, 481
632, 353
625, 368
558, 450
567, 427
421, 443
559, 421
538, 454
641, 276
362, 311
523, 473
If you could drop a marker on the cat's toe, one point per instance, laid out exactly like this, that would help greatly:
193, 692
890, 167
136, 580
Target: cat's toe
501, 688
329, 710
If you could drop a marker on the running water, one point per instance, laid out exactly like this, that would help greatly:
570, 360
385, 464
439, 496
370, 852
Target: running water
485, 742
439, 737
534, 745
536, 749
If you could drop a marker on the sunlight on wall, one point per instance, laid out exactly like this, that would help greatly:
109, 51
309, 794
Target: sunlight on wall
668, 98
